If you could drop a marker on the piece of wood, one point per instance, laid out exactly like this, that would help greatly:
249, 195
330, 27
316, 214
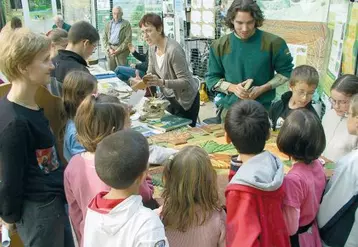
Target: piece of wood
139, 86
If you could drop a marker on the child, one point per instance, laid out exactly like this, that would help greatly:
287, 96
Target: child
254, 195
339, 141
303, 83
191, 213
95, 119
117, 217
338, 214
302, 138
82, 40
76, 86
59, 40
31, 187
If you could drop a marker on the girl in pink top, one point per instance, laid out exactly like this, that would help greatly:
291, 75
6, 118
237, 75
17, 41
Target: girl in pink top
191, 212
96, 118
302, 139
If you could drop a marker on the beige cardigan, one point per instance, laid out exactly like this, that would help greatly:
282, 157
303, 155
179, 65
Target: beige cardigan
175, 71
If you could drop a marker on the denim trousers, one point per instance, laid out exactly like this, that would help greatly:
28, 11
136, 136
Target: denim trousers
45, 224
125, 72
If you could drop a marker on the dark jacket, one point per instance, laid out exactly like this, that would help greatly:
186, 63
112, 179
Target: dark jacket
143, 66
280, 109
65, 62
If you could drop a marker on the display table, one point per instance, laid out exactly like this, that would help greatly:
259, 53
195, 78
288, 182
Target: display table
219, 151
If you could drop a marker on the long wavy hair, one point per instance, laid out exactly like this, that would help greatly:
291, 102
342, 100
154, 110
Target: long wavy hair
244, 6
190, 187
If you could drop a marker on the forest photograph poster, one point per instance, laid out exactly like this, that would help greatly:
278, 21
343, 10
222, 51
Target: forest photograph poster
40, 9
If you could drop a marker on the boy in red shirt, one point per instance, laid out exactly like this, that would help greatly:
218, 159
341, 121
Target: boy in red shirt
255, 194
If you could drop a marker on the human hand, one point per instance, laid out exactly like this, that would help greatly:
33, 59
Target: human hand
131, 47
153, 80
255, 92
111, 52
137, 76
239, 90
132, 65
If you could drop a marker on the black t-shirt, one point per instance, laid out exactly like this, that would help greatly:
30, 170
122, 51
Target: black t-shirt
29, 166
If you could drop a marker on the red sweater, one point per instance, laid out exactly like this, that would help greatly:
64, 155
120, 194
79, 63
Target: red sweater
255, 217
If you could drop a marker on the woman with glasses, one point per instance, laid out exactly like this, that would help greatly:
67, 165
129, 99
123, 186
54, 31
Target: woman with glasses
169, 70
339, 141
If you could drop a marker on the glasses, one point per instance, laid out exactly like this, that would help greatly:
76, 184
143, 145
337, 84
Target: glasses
338, 102
304, 94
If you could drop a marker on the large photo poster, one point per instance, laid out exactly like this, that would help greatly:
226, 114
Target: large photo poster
40, 9
295, 10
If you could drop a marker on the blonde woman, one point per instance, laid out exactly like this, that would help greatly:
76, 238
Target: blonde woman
31, 188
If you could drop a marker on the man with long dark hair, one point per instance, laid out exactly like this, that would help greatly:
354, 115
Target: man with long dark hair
247, 57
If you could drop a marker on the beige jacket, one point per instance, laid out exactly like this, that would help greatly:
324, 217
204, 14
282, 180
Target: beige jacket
124, 37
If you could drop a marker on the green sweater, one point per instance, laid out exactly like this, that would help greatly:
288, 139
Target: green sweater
236, 60
65, 26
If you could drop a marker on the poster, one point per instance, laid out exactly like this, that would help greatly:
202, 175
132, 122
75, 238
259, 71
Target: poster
103, 5
337, 19
299, 54
40, 9
295, 10
350, 47
77, 11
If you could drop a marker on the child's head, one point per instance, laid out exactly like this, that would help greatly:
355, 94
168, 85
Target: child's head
59, 40
302, 136
15, 23
352, 121
96, 119
76, 86
189, 183
247, 126
341, 92
83, 38
25, 56
121, 159
303, 83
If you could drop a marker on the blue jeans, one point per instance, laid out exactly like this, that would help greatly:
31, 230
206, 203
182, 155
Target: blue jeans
125, 72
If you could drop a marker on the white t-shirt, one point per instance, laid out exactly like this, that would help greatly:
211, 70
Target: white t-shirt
160, 60
338, 141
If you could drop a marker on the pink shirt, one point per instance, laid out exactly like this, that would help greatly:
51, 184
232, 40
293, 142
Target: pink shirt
304, 185
82, 184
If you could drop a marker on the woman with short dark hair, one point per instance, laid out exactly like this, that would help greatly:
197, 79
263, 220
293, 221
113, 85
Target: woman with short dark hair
168, 69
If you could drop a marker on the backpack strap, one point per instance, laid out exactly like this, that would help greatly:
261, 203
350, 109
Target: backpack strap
294, 239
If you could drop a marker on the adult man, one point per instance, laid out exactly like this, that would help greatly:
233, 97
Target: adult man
117, 36
59, 23
247, 54
82, 40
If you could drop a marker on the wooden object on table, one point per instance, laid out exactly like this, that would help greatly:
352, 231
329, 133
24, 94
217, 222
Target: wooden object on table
219, 134
139, 86
172, 137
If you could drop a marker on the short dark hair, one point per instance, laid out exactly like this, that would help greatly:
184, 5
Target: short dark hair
304, 73
302, 136
346, 84
247, 125
15, 22
121, 158
82, 30
152, 19
244, 6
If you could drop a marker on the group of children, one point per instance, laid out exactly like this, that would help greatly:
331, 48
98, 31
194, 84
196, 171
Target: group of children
107, 190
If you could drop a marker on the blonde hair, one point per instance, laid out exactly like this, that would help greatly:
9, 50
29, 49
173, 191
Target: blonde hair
190, 183
354, 105
95, 119
18, 49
